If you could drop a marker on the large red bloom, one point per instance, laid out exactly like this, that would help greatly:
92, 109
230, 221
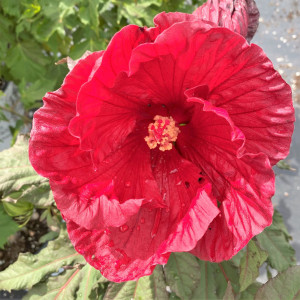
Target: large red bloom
163, 143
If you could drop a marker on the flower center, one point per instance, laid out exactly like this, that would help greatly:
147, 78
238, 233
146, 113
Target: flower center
162, 132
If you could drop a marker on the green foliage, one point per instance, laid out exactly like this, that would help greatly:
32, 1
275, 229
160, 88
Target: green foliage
229, 294
19, 183
191, 278
76, 283
30, 269
148, 287
284, 286
20, 210
275, 241
284, 165
253, 258
8, 226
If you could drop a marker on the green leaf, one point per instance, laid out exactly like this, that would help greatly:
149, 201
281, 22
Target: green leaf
88, 45
284, 165
48, 237
229, 294
250, 292
251, 261
8, 227
139, 13
76, 283
14, 130
6, 36
11, 7
275, 241
183, 274
52, 287
152, 287
18, 180
231, 273
21, 210
191, 278
146, 288
89, 14
30, 269
120, 291
278, 223
89, 277
32, 9
285, 285
35, 91
26, 60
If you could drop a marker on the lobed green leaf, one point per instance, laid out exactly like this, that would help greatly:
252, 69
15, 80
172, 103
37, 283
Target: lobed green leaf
30, 269
285, 285
146, 288
275, 241
253, 258
229, 294
19, 181
191, 278
8, 226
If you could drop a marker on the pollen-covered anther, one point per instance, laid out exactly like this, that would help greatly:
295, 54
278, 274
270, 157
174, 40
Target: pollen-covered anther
162, 132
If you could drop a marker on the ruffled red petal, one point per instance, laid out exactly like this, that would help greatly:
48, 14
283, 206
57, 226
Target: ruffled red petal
125, 176
241, 16
53, 152
103, 119
243, 184
164, 20
240, 78
190, 229
100, 252
245, 211
146, 239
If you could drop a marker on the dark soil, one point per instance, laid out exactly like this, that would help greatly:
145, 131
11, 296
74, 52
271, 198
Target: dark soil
25, 240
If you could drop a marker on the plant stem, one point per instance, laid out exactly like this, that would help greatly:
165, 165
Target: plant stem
25, 119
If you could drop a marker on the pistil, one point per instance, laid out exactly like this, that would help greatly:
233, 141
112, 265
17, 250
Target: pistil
163, 132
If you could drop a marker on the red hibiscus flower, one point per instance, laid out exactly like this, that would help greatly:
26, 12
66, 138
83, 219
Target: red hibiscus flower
164, 143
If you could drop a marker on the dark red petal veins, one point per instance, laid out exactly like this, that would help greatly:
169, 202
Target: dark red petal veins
178, 183
132, 250
105, 131
124, 176
262, 108
104, 120
240, 78
158, 70
241, 16
92, 205
245, 211
243, 183
209, 139
100, 251
164, 20
190, 229
118, 52
53, 152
